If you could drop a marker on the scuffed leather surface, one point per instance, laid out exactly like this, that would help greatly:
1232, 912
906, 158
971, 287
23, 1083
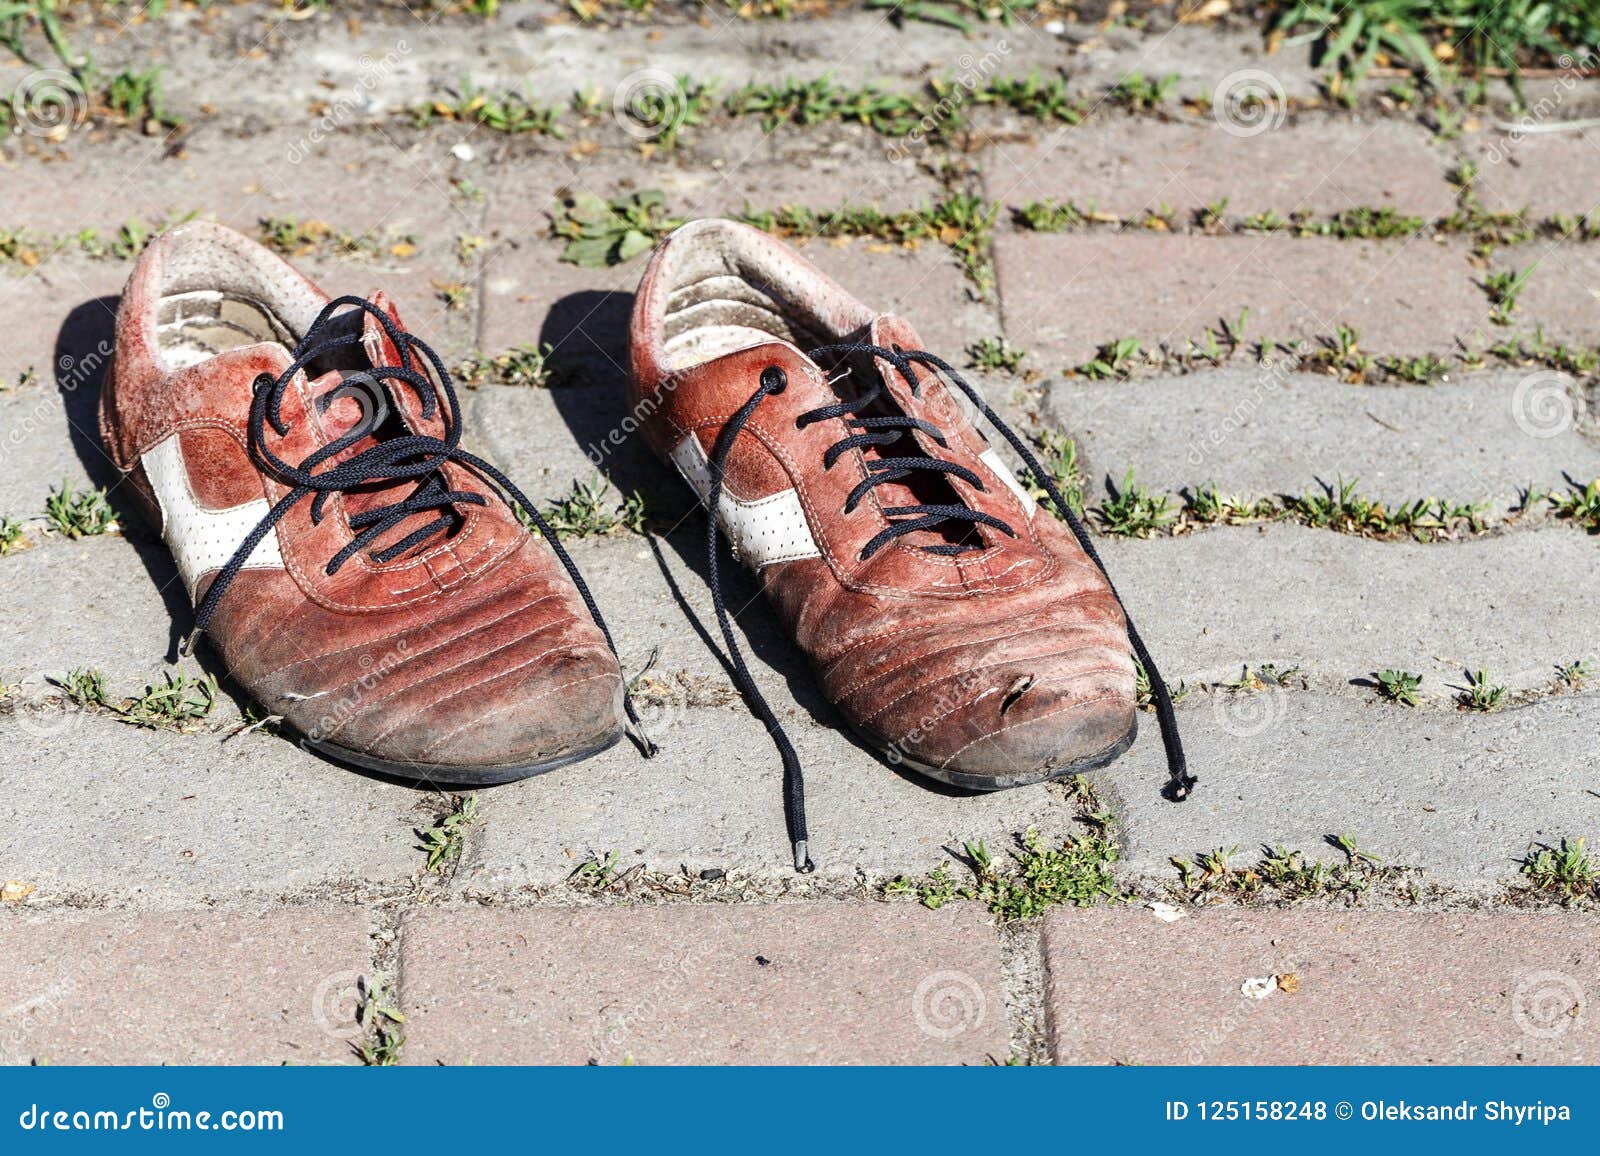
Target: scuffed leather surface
473, 651
1006, 664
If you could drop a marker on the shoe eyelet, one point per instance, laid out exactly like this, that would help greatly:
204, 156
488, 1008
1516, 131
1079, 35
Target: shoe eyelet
774, 380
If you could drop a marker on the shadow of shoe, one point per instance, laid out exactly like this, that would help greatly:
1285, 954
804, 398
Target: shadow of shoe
84, 348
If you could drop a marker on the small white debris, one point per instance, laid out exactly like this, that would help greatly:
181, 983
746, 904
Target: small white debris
1259, 987
1055, 27
1165, 912
462, 151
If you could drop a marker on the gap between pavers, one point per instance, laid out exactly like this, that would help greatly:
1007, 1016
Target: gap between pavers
1462, 796
1481, 437
1065, 294
815, 983
1324, 165
199, 987
1368, 987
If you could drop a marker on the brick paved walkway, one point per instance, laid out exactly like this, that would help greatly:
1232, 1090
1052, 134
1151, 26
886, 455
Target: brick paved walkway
217, 895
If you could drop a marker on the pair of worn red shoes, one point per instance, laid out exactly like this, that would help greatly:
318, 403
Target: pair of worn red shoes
366, 578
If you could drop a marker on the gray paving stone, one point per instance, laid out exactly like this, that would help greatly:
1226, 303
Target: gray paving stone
396, 57
184, 988
1460, 795
833, 983
1341, 607
93, 806
1543, 172
1125, 165
1066, 294
1373, 987
1253, 430
111, 605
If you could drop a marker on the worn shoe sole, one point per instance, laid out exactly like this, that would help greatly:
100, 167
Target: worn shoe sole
1003, 783
443, 774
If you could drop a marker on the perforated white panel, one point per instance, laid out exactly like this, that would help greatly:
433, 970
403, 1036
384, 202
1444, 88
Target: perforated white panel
202, 540
763, 531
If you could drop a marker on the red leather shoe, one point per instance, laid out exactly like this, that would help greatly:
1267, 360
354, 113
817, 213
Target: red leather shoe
954, 625
358, 572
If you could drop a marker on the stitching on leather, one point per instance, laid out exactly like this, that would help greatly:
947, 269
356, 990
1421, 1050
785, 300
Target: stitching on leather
519, 704
448, 695
449, 670
1075, 675
857, 645
389, 638
883, 675
1037, 718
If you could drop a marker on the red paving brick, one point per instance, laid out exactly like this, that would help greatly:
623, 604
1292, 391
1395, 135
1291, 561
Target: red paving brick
1373, 987
1125, 165
1065, 294
530, 295
1562, 294
775, 984
197, 988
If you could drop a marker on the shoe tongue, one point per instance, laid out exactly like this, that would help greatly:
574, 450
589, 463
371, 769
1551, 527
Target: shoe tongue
346, 399
351, 399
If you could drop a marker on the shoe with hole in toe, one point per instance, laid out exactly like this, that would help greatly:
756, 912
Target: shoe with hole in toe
957, 626
359, 573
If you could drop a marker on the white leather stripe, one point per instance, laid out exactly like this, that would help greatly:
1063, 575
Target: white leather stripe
764, 531
202, 540
995, 462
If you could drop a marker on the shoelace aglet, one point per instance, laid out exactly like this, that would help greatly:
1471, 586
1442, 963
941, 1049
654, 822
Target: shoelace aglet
802, 858
641, 739
186, 644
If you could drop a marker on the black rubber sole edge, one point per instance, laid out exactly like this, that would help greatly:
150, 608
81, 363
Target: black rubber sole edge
1005, 783
446, 775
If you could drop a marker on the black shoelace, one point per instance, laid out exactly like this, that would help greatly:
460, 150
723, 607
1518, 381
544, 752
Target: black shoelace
393, 461
885, 431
